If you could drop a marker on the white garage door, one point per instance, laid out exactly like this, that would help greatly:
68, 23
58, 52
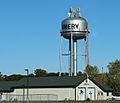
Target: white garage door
91, 93
81, 93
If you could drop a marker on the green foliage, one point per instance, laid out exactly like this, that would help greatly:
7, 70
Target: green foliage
101, 78
114, 67
114, 76
114, 83
91, 70
40, 72
2, 78
53, 74
79, 73
14, 77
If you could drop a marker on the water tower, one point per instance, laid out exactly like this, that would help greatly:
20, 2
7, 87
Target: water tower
74, 28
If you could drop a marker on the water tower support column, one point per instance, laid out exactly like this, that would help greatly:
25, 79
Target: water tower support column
71, 54
75, 57
60, 55
86, 51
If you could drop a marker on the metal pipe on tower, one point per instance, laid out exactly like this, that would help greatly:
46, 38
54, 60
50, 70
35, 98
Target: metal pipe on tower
75, 57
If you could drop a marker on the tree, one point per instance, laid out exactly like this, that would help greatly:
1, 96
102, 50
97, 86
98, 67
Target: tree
1, 77
114, 83
114, 67
14, 77
31, 75
79, 73
40, 72
91, 70
114, 76
53, 74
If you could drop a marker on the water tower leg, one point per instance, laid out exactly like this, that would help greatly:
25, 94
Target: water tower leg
86, 51
60, 55
70, 58
71, 54
75, 57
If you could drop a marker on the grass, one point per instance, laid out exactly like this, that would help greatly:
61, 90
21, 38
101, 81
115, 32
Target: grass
108, 101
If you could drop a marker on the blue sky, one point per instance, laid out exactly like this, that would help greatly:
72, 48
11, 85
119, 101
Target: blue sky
30, 38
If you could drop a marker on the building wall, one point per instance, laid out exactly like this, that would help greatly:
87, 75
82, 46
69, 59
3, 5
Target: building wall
43, 94
98, 93
60, 93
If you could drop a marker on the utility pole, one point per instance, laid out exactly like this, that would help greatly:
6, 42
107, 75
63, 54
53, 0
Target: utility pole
27, 70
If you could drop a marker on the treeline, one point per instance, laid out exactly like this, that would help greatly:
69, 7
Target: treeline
37, 73
111, 78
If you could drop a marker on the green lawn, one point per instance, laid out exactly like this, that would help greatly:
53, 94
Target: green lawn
64, 102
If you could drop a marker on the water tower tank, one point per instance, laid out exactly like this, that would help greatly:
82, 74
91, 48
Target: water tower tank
75, 24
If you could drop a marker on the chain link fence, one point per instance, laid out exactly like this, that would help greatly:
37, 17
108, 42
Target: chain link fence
32, 97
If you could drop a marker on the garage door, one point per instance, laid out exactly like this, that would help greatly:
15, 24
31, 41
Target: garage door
81, 93
91, 93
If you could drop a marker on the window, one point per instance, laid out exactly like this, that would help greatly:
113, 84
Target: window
107, 93
98, 93
101, 93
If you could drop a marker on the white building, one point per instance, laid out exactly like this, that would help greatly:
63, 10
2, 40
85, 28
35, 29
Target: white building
60, 88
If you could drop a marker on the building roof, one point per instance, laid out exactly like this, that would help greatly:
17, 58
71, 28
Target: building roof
44, 82
5, 86
47, 82
105, 88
